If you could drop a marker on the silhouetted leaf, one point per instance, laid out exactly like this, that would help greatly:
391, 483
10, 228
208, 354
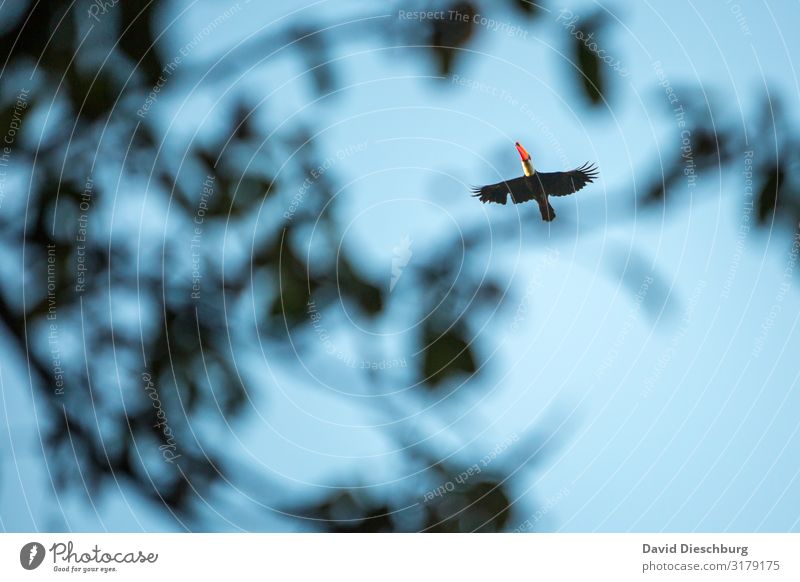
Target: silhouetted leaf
344, 512
243, 122
368, 296
40, 31
592, 78
250, 192
447, 355
451, 32
767, 201
137, 20
91, 94
291, 303
315, 52
480, 506
531, 8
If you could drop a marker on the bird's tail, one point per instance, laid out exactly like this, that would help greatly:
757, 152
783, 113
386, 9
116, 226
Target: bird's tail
548, 212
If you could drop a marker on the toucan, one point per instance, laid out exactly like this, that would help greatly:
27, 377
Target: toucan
537, 185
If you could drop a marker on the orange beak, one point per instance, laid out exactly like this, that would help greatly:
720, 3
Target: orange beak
523, 153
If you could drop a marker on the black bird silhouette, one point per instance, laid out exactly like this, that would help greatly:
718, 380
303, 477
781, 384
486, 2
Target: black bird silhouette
537, 185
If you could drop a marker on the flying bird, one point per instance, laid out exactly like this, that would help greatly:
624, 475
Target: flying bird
537, 185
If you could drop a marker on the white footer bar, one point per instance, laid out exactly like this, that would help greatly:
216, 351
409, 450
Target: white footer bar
406, 557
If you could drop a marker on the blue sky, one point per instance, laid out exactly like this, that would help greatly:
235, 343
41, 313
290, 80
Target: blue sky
659, 423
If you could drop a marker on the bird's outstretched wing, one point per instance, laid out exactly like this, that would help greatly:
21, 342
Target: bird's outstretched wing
498, 193
564, 183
